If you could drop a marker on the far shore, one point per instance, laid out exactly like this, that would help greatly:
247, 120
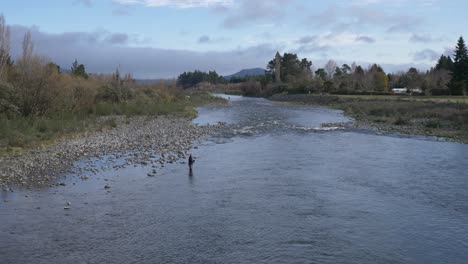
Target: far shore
435, 116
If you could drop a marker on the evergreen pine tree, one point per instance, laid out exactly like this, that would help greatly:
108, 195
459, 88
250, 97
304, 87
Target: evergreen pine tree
459, 80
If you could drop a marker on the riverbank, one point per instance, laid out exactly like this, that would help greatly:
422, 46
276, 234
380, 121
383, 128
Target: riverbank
158, 135
19, 133
139, 140
408, 115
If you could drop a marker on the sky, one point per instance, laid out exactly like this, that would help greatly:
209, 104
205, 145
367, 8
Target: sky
163, 38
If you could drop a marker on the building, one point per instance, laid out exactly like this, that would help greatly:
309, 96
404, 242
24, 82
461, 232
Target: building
412, 91
400, 90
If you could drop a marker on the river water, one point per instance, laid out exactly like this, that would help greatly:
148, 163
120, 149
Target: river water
274, 187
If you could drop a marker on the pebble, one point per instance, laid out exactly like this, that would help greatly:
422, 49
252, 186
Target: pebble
147, 139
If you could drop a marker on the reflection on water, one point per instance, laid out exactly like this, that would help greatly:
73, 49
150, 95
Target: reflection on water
275, 195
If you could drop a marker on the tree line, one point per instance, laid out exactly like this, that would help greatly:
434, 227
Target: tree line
33, 86
447, 77
190, 79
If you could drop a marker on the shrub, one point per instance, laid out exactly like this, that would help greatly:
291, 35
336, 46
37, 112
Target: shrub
400, 121
251, 88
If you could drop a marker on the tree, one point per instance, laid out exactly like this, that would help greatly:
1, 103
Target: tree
291, 68
459, 81
190, 79
28, 48
358, 78
34, 82
444, 63
413, 78
305, 64
79, 70
353, 67
53, 67
377, 80
320, 72
338, 71
380, 82
328, 85
345, 68
330, 68
4, 48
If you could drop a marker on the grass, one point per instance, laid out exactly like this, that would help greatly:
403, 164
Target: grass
20, 133
436, 99
436, 116
23, 132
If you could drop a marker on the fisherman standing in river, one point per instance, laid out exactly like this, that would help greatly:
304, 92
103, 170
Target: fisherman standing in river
191, 161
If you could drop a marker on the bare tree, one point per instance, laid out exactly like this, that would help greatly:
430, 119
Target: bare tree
4, 47
28, 47
330, 68
353, 67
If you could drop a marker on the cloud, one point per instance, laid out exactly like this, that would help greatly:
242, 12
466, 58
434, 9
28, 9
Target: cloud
86, 3
404, 24
69, 39
424, 3
426, 55
423, 38
92, 50
312, 44
357, 17
208, 40
176, 3
307, 39
328, 17
248, 11
101, 37
449, 52
204, 39
313, 48
365, 39
376, 17
117, 38
122, 10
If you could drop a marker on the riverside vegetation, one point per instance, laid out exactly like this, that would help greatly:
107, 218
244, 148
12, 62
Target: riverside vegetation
40, 103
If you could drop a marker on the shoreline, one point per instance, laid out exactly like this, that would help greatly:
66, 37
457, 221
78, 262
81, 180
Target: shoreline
373, 114
139, 140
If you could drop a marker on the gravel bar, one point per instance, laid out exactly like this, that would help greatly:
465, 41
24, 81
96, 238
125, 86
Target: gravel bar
145, 141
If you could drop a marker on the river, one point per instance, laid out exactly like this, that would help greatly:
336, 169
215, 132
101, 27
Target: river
274, 187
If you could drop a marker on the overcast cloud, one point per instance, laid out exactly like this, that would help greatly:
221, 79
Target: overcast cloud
161, 38
93, 51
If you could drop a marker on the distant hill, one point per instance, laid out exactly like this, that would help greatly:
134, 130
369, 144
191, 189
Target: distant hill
246, 72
